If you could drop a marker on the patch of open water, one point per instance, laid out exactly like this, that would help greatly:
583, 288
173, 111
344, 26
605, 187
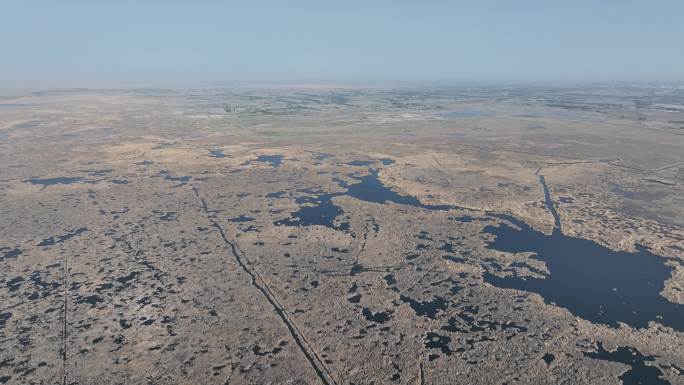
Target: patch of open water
273, 160
319, 209
639, 373
592, 281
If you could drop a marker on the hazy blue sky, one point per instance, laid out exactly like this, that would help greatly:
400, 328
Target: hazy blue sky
109, 43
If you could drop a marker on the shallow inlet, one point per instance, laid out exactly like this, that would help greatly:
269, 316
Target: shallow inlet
320, 210
638, 373
591, 281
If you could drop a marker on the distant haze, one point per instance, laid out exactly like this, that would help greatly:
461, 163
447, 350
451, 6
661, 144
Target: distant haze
73, 43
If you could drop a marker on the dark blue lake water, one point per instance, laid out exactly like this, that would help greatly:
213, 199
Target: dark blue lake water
318, 208
591, 281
